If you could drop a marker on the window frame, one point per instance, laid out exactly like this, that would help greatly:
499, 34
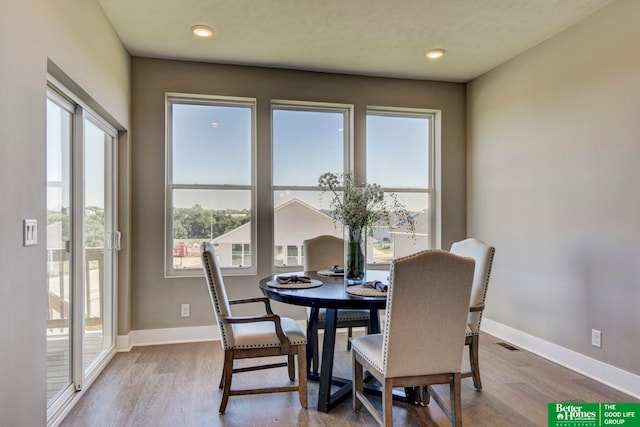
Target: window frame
433, 117
348, 161
172, 98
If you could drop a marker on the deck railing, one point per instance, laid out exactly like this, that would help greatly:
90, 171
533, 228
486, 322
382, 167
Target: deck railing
58, 287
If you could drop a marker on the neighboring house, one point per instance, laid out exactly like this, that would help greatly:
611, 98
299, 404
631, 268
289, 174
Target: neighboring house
230, 247
294, 222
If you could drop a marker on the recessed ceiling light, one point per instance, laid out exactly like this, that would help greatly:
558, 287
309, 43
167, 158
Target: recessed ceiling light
202, 31
435, 53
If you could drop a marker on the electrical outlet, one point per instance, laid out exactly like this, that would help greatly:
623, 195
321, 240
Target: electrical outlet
596, 338
185, 310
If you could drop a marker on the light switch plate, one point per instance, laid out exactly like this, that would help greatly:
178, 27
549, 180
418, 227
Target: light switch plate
596, 338
30, 232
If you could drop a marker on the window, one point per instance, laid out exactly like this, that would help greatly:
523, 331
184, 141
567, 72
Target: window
279, 255
308, 140
240, 254
210, 182
400, 159
292, 255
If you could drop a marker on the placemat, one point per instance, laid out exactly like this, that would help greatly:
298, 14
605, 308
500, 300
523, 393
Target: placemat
329, 273
365, 292
314, 284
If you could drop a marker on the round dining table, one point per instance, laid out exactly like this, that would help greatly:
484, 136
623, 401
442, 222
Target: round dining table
332, 296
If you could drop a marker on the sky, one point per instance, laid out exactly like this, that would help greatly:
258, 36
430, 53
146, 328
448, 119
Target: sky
212, 145
58, 160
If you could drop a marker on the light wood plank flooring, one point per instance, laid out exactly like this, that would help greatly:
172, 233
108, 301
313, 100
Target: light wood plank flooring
177, 385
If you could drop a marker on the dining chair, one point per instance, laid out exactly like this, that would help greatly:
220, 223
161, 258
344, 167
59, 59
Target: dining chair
483, 256
321, 253
253, 336
423, 341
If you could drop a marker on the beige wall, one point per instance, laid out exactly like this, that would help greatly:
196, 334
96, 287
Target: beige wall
553, 151
155, 299
75, 35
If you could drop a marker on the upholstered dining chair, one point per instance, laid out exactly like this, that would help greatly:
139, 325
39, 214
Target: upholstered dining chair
423, 341
483, 256
253, 336
321, 253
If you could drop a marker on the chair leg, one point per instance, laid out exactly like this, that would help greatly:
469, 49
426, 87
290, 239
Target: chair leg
357, 384
349, 336
228, 372
291, 367
456, 404
473, 358
387, 402
221, 379
316, 352
425, 397
302, 375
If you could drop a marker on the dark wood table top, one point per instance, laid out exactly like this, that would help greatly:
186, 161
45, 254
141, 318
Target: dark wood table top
331, 294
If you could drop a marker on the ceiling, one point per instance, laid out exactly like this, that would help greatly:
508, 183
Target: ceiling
365, 37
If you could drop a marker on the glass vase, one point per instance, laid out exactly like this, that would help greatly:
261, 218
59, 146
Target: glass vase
355, 255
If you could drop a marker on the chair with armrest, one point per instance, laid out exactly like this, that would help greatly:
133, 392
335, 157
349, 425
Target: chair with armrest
253, 336
483, 256
423, 341
321, 253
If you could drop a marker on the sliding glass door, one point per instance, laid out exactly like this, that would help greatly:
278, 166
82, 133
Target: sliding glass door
59, 237
81, 245
99, 240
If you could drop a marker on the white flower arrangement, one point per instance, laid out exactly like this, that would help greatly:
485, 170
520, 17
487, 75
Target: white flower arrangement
363, 206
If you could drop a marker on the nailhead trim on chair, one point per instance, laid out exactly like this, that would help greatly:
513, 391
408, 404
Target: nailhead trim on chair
371, 362
267, 345
387, 318
484, 295
223, 332
321, 318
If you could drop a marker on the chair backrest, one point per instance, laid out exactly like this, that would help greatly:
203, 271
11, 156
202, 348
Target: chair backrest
323, 252
483, 256
217, 291
426, 316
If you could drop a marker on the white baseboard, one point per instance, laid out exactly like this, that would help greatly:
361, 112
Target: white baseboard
614, 377
145, 337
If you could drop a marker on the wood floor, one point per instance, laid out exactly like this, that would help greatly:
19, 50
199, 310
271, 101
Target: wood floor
177, 385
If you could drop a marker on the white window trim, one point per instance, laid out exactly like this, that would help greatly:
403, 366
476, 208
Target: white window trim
433, 189
183, 98
348, 147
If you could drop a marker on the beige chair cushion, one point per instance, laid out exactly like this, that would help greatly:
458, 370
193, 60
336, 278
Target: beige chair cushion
370, 347
263, 334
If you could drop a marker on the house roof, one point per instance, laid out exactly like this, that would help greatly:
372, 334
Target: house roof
241, 234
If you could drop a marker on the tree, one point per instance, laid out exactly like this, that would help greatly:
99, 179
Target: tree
199, 223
